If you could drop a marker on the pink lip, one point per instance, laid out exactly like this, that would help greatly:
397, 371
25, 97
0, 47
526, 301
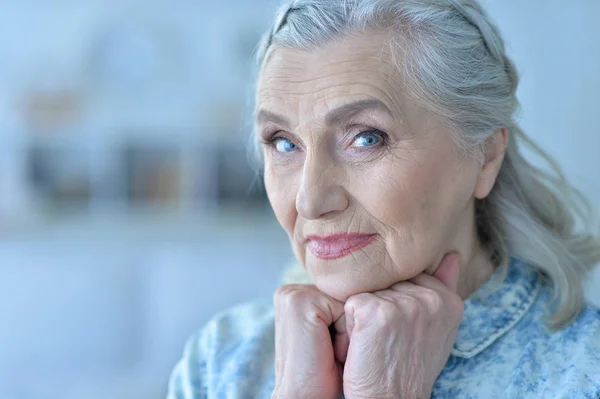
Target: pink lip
338, 245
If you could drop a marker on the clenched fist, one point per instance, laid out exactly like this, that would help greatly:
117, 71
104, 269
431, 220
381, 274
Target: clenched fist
388, 344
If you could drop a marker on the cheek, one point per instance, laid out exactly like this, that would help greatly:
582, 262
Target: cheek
417, 202
400, 194
281, 191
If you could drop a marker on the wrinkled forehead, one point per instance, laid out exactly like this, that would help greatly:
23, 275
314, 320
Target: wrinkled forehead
298, 83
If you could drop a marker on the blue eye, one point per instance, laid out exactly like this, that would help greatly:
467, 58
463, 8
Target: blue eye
368, 139
285, 145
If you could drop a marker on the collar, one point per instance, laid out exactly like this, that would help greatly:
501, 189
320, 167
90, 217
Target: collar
496, 307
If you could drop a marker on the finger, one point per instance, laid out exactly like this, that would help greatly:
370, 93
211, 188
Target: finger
448, 272
403, 286
341, 340
295, 302
426, 281
445, 278
350, 307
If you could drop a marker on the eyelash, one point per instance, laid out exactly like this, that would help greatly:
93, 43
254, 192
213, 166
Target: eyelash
376, 132
272, 141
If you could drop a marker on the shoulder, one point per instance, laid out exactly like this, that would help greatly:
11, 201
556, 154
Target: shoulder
558, 363
237, 324
235, 346
531, 360
578, 342
240, 328
582, 331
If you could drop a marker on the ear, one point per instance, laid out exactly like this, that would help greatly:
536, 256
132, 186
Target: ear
494, 150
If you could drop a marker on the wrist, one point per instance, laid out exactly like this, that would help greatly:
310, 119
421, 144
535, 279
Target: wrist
421, 394
287, 394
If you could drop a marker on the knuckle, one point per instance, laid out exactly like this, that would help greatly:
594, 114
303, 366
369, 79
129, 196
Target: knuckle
358, 301
291, 295
411, 307
312, 317
296, 297
386, 309
280, 293
383, 311
434, 300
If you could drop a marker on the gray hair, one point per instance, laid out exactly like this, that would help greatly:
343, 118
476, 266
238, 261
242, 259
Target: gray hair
455, 65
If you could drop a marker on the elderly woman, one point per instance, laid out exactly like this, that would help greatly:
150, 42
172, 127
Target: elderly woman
441, 263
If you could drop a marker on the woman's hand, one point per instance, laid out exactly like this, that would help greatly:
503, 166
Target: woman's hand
305, 365
400, 338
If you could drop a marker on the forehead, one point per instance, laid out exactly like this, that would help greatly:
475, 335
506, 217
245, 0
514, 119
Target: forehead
353, 68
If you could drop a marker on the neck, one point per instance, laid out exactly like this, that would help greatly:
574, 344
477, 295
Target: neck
476, 271
476, 266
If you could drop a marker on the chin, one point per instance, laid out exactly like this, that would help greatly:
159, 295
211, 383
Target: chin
342, 278
342, 287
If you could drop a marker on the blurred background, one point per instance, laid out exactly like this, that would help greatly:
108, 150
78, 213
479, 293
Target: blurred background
129, 213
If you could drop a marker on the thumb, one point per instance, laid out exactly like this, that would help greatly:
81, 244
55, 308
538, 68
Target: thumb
341, 340
448, 272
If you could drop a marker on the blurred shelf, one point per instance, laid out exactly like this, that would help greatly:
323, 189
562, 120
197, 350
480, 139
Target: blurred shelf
144, 223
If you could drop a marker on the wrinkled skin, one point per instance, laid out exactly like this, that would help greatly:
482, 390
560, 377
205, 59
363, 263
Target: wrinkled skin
388, 168
388, 344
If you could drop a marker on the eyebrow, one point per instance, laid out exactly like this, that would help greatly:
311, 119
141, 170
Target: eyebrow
333, 117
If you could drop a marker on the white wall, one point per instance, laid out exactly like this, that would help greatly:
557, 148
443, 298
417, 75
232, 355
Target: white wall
556, 46
103, 311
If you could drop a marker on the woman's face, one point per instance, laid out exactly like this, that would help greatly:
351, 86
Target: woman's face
368, 185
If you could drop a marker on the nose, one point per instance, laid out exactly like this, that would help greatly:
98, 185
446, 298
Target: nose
321, 191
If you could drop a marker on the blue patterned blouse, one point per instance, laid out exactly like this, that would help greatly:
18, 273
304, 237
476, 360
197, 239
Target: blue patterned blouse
502, 350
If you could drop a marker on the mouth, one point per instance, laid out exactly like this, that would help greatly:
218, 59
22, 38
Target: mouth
338, 245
